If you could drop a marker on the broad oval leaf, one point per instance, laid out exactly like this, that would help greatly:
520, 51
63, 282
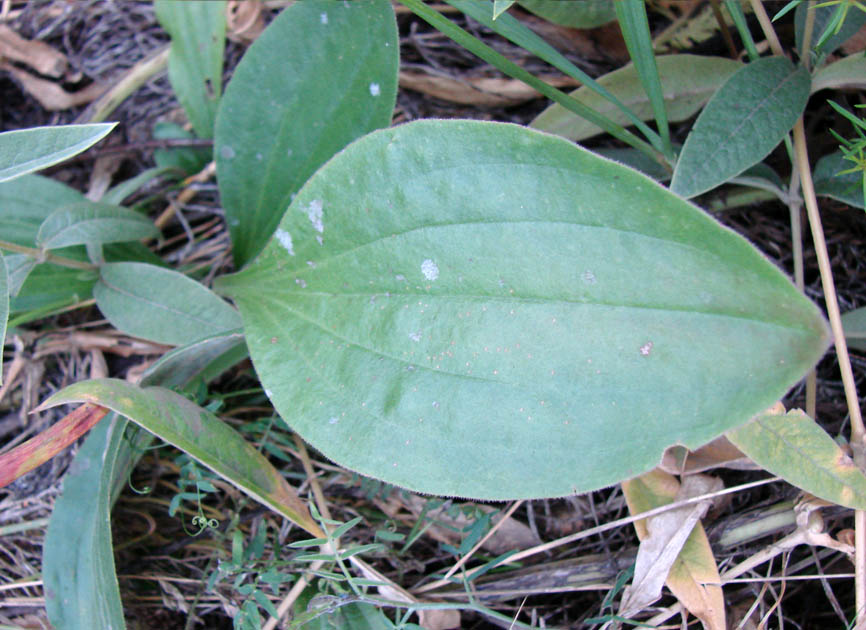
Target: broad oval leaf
322, 74
200, 434
743, 121
586, 14
26, 150
688, 81
93, 222
794, 447
461, 332
160, 304
195, 62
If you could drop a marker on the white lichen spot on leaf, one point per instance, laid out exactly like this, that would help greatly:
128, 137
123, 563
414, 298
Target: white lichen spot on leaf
323, 18
374, 89
646, 348
314, 213
285, 240
430, 269
415, 336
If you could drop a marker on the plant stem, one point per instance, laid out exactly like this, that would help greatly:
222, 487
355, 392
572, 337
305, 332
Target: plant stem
43, 256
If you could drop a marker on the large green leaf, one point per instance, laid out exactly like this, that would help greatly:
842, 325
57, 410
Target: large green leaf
195, 62
26, 202
795, 448
585, 14
688, 81
200, 434
92, 222
81, 590
743, 121
160, 304
27, 150
495, 312
322, 74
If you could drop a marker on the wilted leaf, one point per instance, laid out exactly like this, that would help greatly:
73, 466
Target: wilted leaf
795, 448
423, 318
200, 434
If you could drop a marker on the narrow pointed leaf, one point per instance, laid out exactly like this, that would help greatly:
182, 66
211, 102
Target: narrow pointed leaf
195, 62
501, 6
202, 359
81, 589
743, 121
584, 14
463, 333
200, 434
322, 74
160, 304
688, 81
92, 222
27, 150
795, 448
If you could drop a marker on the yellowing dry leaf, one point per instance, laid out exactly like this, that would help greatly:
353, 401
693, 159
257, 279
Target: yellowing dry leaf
244, 20
51, 95
693, 576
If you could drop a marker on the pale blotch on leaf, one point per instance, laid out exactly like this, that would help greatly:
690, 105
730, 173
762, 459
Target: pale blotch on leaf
430, 269
314, 213
415, 336
285, 240
323, 18
374, 89
226, 152
646, 348
588, 277
333, 420
301, 283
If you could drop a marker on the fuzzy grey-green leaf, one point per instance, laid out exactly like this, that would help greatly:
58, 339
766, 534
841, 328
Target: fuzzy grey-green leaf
497, 313
160, 304
743, 121
89, 222
27, 150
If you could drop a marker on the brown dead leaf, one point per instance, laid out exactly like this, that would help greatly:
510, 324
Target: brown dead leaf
719, 453
244, 20
693, 576
856, 42
38, 55
51, 95
479, 91
439, 619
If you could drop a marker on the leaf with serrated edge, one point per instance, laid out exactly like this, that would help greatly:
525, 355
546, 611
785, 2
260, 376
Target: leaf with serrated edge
462, 333
688, 81
694, 576
795, 448
26, 150
200, 434
322, 74
741, 124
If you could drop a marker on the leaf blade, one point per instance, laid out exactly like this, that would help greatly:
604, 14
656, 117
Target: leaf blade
392, 325
93, 222
268, 138
741, 124
26, 150
795, 448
